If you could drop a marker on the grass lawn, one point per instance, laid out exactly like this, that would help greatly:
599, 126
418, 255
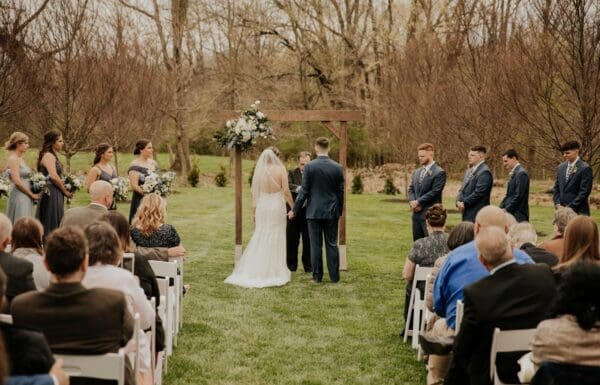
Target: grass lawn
300, 333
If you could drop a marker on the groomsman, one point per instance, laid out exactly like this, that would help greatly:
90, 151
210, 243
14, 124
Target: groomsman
574, 180
425, 190
297, 226
516, 200
476, 189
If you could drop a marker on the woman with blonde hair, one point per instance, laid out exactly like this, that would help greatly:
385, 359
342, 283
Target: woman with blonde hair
150, 228
20, 196
581, 243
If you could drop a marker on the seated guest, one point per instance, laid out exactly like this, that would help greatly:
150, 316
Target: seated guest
561, 218
18, 271
149, 226
573, 337
512, 297
462, 266
524, 237
101, 194
105, 255
437, 365
74, 319
27, 244
425, 251
580, 244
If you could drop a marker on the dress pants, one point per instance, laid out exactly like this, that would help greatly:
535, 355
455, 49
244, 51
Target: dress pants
419, 227
319, 229
295, 228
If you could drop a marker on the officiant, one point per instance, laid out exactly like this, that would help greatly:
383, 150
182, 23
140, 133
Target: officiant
297, 227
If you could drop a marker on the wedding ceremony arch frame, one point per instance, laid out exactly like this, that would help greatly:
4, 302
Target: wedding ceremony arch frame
336, 121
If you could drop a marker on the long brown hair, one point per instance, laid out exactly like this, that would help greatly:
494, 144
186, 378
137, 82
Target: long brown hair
581, 242
27, 233
100, 150
50, 138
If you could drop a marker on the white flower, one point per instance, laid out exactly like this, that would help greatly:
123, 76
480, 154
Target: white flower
246, 136
257, 102
260, 115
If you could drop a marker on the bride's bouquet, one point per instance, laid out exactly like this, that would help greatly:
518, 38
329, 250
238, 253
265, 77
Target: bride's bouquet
4, 186
38, 182
245, 130
160, 184
120, 187
72, 183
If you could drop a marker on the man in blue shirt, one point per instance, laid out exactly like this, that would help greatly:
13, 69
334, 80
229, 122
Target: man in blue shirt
462, 267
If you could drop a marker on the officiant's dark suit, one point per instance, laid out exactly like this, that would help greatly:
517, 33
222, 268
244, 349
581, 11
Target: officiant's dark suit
297, 227
516, 200
477, 185
573, 190
513, 297
323, 190
426, 188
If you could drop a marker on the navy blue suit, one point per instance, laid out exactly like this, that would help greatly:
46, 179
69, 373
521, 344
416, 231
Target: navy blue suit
574, 192
516, 200
475, 191
427, 192
323, 189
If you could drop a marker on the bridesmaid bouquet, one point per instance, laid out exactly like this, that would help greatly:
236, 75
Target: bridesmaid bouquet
38, 182
245, 130
159, 184
72, 183
4, 185
120, 188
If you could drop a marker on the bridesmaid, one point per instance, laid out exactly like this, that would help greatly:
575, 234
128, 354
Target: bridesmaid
52, 204
102, 169
138, 170
20, 196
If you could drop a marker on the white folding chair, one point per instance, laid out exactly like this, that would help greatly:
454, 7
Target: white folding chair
420, 275
167, 317
427, 314
169, 270
460, 310
179, 323
110, 366
128, 262
508, 341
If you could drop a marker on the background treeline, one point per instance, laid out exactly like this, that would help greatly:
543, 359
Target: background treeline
503, 73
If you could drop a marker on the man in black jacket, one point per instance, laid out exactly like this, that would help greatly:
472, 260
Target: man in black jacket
574, 181
474, 194
297, 226
516, 200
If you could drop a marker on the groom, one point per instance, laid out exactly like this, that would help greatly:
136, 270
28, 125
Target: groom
323, 187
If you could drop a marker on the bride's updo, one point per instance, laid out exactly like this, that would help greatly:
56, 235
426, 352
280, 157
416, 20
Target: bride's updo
436, 215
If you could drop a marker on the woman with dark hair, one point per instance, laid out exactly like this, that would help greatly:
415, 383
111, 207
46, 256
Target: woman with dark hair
26, 241
52, 203
138, 170
570, 342
581, 243
101, 168
20, 196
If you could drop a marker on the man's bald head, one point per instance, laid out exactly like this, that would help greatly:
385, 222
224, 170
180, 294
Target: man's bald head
101, 192
490, 216
493, 247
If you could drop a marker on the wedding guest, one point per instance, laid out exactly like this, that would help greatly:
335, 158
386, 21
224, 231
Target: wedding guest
52, 204
524, 237
20, 196
298, 226
476, 188
74, 319
27, 244
426, 188
105, 255
18, 271
516, 200
101, 195
425, 251
569, 342
581, 243
574, 180
149, 226
562, 217
138, 170
513, 296
102, 169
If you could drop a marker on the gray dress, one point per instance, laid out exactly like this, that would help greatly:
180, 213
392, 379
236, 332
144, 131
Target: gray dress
19, 203
52, 203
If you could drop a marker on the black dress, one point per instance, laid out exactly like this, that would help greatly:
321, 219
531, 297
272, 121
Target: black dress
52, 203
164, 236
136, 198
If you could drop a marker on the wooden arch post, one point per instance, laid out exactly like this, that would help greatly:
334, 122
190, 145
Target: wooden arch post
336, 121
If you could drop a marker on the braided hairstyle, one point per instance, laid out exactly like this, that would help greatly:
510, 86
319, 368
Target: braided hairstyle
436, 215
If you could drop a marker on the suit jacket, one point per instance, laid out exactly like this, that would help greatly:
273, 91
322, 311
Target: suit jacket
19, 273
76, 320
322, 188
83, 216
28, 352
514, 297
575, 192
429, 190
516, 200
295, 183
539, 255
475, 191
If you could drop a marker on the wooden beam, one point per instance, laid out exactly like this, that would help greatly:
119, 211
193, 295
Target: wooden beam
238, 202
332, 127
301, 115
343, 136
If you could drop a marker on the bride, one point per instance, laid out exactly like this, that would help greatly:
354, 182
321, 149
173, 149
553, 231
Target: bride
263, 262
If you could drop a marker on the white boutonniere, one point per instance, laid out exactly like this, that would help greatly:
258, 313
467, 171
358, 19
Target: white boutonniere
574, 170
429, 173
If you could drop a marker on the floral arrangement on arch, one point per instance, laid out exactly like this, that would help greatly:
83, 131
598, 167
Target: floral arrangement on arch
245, 130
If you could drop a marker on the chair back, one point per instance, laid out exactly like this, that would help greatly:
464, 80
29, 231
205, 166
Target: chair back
128, 262
460, 310
420, 275
110, 366
505, 341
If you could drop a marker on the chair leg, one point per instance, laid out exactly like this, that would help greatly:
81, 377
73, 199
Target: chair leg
410, 309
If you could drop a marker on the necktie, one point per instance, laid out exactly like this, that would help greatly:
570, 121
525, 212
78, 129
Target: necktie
422, 175
570, 171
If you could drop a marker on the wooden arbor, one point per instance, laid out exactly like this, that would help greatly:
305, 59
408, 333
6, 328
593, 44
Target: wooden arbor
336, 121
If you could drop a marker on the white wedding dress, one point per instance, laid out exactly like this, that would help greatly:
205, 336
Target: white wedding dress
263, 263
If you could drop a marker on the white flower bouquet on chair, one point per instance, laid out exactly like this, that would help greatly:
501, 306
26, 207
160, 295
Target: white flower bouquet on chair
245, 130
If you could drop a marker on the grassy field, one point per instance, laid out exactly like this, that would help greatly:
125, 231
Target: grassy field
300, 333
